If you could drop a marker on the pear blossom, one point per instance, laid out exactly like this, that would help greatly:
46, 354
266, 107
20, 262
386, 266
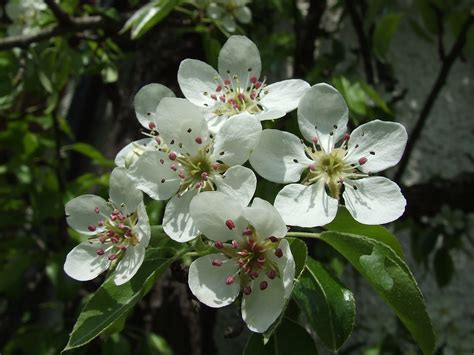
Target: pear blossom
225, 12
251, 255
237, 88
118, 231
333, 163
145, 103
193, 160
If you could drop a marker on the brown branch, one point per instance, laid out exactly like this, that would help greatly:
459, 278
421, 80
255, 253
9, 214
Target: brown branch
362, 39
306, 32
448, 62
77, 24
62, 16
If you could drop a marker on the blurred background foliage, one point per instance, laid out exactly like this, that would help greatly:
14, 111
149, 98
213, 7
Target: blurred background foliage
68, 74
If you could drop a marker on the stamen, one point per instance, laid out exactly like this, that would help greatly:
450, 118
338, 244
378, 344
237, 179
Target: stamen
278, 252
100, 251
218, 88
112, 257
91, 228
219, 245
346, 137
158, 140
172, 156
273, 239
198, 140
263, 285
312, 167
230, 224
271, 274
235, 244
229, 280
217, 262
247, 231
362, 160
204, 176
97, 210
247, 290
152, 125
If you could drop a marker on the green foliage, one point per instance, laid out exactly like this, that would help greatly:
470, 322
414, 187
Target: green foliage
326, 303
111, 302
289, 338
396, 284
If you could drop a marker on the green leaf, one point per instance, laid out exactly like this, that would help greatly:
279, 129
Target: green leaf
404, 297
383, 33
110, 301
444, 267
299, 250
374, 266
90, 152
344, 222
152, 16
328, 305
375, 97
289, 338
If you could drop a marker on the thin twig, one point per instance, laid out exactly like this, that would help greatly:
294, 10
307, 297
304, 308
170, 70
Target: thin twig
77, 24
62, 16
448, 62
362, 39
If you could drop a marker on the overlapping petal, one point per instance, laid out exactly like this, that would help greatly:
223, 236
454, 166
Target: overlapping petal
129, 264
284, 95
279, 157
123, 192
381, 143
211, 212
265, 219
237, 137
82, 215
146, 101
132, 151
152, 174
83, 264
177, 221
374, 200
181, 125
207, 282
322, 114
238, 182
306, 206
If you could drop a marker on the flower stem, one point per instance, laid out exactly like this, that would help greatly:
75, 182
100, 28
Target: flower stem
303, 235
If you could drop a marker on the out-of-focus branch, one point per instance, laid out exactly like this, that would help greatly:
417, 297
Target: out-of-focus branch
76, 24
306, 32
62, 16
362, 39
448, 62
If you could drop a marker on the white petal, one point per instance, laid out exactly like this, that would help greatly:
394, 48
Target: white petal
286, 266
238, 182
83, 263
130, 153
81, 213
321, 109
306, 206
239, 56
262, 307
237, 137
142, 228
279, 156
196, 78
269, 114
148, 172
210, 212
123, 192
180, 124
284, 95
177, 221
129, 264
243, 14
146, 101
228, 23
207, 282
265, 219
377, 200
386, 140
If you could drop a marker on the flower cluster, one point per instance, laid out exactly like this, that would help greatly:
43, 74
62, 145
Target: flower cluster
193, 157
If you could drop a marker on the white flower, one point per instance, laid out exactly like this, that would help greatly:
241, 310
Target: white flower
334, 162
145, 103
118, 231
193, 160
236, 88
225, 12
250, 256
